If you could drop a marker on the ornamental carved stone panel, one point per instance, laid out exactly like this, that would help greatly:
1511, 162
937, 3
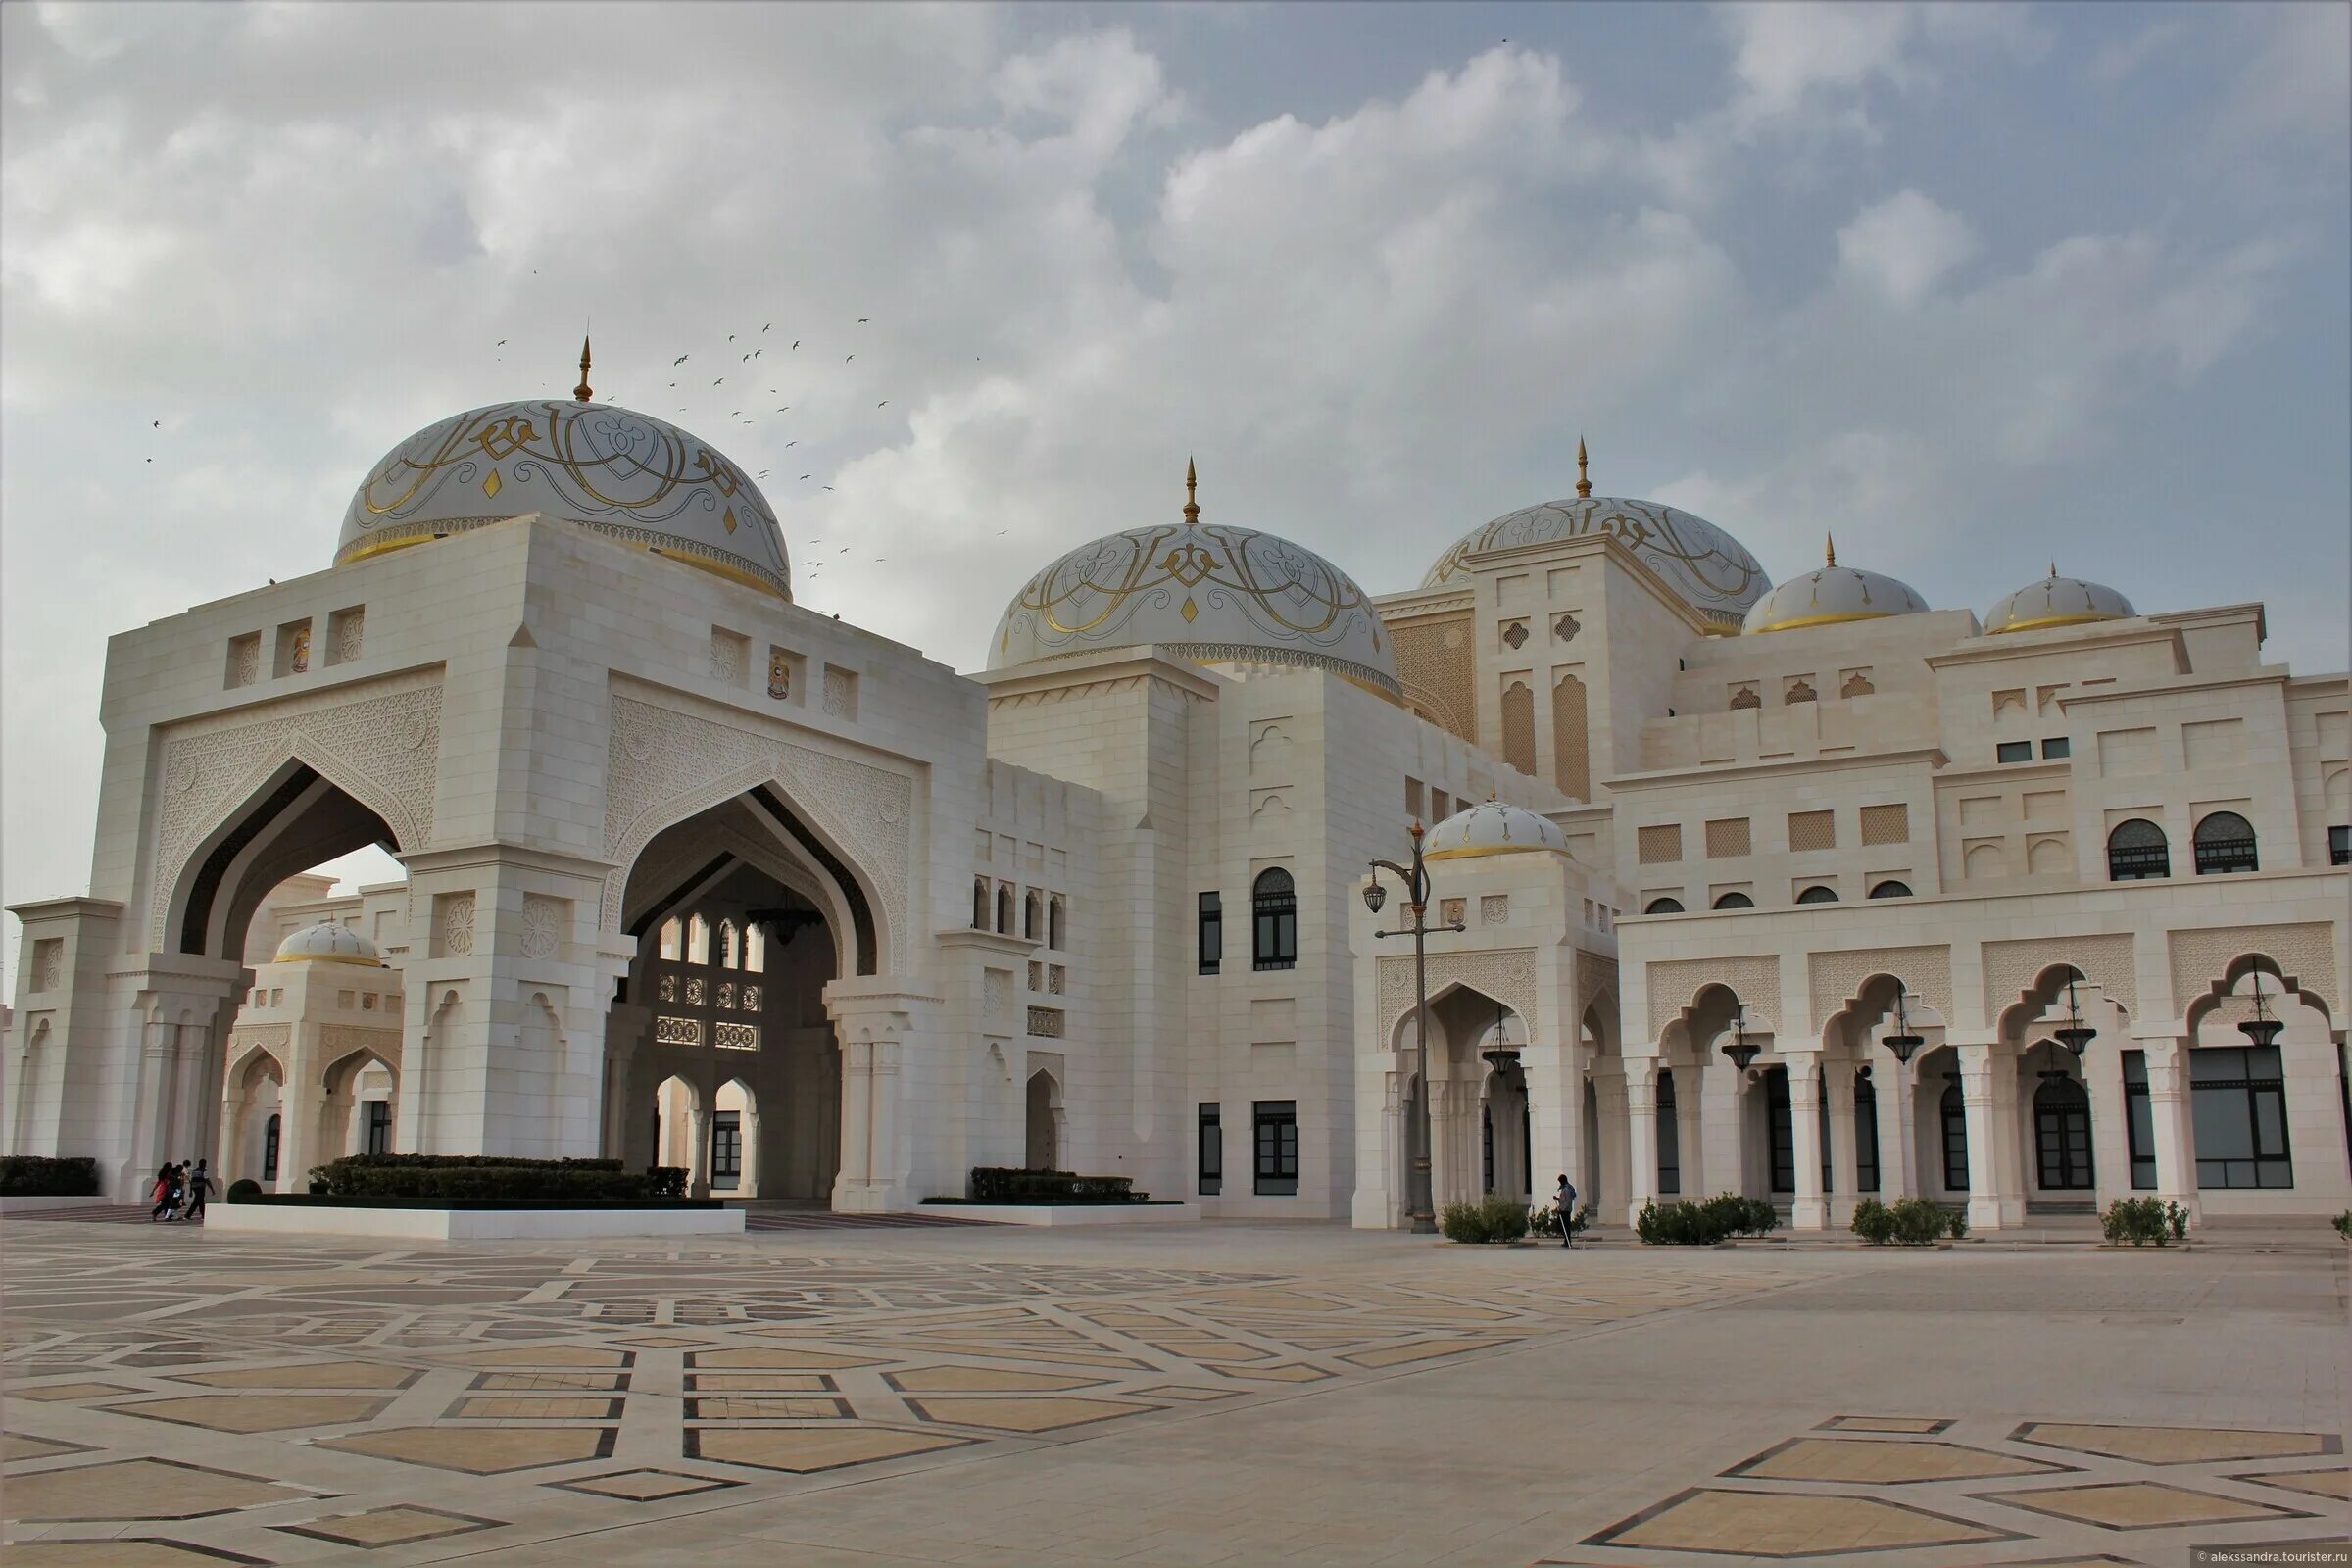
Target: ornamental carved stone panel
383, 749
2010, 967
1596, 976
1836, 977
339, 1040
545, 919
1509, 976
2303, 952
670, 758
1672, 985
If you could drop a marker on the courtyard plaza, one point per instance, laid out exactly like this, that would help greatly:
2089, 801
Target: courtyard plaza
829, 1393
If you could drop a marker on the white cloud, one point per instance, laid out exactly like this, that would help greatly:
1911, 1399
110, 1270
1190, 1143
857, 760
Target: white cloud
1903, 247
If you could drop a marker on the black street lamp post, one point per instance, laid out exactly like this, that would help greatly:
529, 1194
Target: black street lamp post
1416, 903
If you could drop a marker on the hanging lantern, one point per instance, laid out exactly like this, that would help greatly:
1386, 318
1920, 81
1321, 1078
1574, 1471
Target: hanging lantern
2261, 1028
2076, 1036
1739, 1047
1903, 1043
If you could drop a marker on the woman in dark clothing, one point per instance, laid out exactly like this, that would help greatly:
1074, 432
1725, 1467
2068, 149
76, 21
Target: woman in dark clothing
163, 1194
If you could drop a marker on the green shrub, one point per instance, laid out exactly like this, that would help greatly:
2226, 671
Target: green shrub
1544, 1220
1493, 1219
2343, 1224
242, 1187
1918, 1221
2141, 1221
1955, 1223
1005, 1183
37, 1176
1689, 1223
450, 1177
1874, 1222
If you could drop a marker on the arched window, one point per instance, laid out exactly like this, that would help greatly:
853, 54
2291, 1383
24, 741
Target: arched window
1818, 895
697, 940
1274, 920
1054, 922
673, 938
2225, 843
1663, 906
2138, 851
730, 951
980, 903
1004, 910
1734, 901
1033, 909
1891, 890
755, 948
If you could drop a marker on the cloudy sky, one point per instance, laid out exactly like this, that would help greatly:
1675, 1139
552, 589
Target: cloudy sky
1971, 287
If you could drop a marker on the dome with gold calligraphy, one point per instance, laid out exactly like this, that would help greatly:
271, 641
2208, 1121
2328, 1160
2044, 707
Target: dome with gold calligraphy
1206, 592
627, 475
2056, 601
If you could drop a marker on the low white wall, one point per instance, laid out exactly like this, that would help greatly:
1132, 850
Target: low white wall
19, 1205
470, 1224
1068, 1213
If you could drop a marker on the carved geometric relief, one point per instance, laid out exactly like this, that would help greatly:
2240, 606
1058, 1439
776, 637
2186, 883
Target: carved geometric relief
1925, 971
1508, 976
2011, 968
2304, 952
452, 925
1494, 908
49, 963
544, 921
1595, 974
664, 756
383, 749
1675, 984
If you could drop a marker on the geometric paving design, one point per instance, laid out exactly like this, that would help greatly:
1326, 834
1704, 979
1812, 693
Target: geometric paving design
1921, 1426
644, 1485
1869, 1462
15, 1445
133, 1489
1769, 1524
805, 1450
316, 1375
480, 1451
258, 1412
138, 1551
2336, 1484
1022, 1415
2175, 1444
2139, 1505
396, 1526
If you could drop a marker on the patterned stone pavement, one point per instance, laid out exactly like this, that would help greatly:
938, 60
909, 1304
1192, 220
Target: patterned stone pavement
991, 1395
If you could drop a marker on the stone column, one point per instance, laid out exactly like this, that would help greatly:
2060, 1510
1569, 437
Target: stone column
1978, 1104
887, 1163
1641, 1132
698, 1150
2175, 1129
1723, 1131
1845, 1149
747, 1185
625, 1024
1810, 1211
1898, 1157
856, 1117
300, 1111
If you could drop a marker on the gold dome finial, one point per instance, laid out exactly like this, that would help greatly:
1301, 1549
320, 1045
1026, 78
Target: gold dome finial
1828, 550
2053, 568
1191, 508
581, 392
1584, 485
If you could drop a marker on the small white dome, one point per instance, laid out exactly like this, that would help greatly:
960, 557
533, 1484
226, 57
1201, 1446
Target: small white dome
625, 475
327, 942
1201, 591
1831, 594
2056, 601
1492, 828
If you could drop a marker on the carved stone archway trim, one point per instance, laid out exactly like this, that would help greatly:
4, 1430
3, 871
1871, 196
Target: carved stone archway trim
1507, 974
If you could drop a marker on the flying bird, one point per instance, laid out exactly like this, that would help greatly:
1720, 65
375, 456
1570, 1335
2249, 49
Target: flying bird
721, 381
158, 424
730, 337
884, 404
828, 489
681, 358
848, 358
789, 445
807, 475
796, 342
863, 320
765, 328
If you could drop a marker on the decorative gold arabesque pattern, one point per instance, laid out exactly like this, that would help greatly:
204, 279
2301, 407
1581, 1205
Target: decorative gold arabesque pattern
623, 474
1711, 570
1204, 592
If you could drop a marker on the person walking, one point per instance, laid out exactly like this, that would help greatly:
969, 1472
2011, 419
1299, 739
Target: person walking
162, 1192
1564, 1201
199, 1187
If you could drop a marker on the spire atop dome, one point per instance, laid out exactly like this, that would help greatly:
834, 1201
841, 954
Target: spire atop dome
581, 393
1584, 483
1191, 506
1828, 550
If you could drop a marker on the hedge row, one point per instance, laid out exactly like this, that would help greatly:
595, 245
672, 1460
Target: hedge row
37, 1176
1703, 1223
1003, 1184
466, 1177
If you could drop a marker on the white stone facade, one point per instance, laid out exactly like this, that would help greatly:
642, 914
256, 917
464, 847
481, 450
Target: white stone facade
696, 876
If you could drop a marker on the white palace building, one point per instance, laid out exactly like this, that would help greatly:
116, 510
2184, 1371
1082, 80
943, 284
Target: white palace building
698, 876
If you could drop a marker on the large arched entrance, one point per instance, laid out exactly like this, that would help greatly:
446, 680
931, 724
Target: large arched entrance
719, 1056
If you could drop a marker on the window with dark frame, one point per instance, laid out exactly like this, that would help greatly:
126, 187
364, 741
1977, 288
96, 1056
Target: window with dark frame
380, 1127
270, 1138
2225, 844
2138, 851
1891, 890
2339, 846
1054, 922
1955, 1139
2014, 751
2056, 747
1670, 1145
727, 1148
1212, 1151
1663, 906
1274, 920
1866, 1133
1277, 1141
1213, 933
2139, 1121
1779, 1130
2237, 1099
